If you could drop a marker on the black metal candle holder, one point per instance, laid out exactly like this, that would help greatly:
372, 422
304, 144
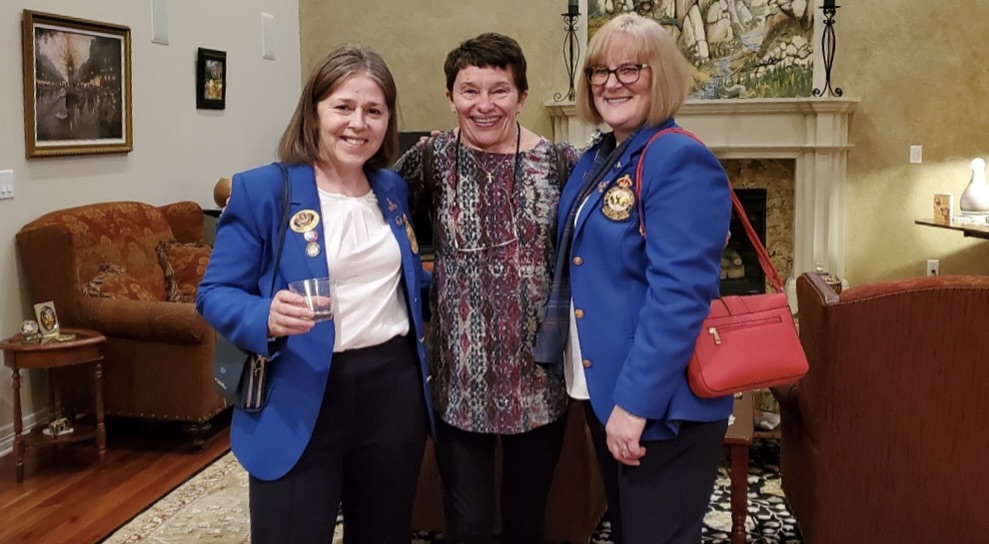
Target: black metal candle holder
828, 45
571, 53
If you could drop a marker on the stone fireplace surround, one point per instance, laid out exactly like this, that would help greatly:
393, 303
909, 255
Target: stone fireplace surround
811, 131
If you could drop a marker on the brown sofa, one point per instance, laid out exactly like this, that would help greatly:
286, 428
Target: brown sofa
576, 501
883, 439
134, 262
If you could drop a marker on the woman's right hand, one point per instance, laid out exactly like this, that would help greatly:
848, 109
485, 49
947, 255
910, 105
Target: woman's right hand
289, 315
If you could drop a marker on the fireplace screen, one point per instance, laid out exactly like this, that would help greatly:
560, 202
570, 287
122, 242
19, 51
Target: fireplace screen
740, 270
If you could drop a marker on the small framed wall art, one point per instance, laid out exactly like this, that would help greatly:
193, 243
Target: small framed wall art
211, 79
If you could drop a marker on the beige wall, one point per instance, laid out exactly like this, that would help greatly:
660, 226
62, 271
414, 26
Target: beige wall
179, 151
922, 71
919, 67
414, 38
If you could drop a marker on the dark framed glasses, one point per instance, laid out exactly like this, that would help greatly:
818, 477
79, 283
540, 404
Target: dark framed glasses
626, 74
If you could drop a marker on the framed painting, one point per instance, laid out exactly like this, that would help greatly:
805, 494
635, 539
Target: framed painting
211, 79
77, 86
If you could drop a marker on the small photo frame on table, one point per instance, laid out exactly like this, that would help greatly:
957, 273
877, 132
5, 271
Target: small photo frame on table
77, 86
47, 319
211, 79
48, 327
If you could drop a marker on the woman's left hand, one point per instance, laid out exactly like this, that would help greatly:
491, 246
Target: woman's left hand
623, 432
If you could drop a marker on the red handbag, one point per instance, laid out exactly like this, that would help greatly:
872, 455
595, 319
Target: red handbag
746, 342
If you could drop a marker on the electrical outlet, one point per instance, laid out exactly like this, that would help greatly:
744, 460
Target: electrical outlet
933, 267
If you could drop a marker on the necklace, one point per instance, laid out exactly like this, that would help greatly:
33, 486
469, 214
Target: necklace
477, 239
490, 174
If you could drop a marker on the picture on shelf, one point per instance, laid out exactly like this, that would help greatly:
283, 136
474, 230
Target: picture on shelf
943, 206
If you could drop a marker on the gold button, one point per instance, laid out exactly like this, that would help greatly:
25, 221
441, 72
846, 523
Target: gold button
586, 363
578, 313
578, 261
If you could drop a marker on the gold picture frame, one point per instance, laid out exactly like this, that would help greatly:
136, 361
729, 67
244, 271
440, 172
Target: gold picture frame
44, 312
77, 86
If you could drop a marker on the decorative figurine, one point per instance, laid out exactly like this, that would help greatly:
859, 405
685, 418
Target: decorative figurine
30, 330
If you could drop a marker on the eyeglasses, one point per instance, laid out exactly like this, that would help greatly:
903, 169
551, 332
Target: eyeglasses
626, 74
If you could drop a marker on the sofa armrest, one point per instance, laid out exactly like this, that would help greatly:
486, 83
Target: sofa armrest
157, 321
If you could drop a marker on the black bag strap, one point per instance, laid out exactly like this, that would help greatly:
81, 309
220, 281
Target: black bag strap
427, 165
561, 165
286, 207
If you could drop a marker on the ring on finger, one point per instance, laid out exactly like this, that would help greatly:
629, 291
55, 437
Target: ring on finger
624, 451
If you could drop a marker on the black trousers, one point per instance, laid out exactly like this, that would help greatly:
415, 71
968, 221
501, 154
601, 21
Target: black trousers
366, 450
665, 498
466, 463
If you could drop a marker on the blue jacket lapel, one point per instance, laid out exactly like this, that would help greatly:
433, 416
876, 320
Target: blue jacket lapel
305, 197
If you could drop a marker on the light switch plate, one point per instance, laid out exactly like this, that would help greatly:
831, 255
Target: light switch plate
267, 36
916, 154
159, 22
6, 184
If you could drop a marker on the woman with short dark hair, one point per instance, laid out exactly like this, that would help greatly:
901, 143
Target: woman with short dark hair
492, 195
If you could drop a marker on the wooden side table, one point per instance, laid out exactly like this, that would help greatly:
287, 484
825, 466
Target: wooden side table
87, 347
738, 438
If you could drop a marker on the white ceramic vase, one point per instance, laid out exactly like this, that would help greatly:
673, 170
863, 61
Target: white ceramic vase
975, 199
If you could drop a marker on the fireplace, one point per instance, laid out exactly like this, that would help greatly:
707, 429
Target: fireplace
740, 270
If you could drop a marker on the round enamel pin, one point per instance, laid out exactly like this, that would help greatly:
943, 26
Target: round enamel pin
304, 221
312, 249
619, 200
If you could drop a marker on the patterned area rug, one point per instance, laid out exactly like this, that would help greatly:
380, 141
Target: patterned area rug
212, 507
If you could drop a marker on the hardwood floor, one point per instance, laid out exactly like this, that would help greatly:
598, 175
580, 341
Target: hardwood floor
66, 498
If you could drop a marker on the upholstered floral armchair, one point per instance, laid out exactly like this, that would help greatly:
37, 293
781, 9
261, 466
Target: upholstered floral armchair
130, 270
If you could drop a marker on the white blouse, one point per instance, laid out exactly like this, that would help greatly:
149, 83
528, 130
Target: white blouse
365, 266
573, 367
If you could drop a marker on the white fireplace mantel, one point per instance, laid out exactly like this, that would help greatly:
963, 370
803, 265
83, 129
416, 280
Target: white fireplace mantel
813, 131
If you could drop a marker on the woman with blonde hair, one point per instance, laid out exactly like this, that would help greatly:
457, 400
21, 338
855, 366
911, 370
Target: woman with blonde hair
640, 265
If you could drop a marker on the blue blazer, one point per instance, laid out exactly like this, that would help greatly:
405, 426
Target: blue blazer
234, 298
641, 301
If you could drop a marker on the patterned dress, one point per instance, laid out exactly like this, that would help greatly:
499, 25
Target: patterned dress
493, 234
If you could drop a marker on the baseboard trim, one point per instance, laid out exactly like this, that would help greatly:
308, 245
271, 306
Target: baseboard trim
30, 420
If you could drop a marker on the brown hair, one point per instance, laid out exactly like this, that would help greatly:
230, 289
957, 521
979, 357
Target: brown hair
300, 141
655, 47
488, 50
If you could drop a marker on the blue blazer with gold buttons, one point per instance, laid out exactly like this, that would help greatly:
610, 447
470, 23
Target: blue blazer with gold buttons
234, 298
639, 301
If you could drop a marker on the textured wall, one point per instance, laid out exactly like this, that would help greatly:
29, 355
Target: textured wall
920, 68
414, 38
922, 71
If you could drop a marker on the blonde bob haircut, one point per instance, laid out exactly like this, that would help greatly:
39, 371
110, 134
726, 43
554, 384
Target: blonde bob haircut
649, 43
300, 141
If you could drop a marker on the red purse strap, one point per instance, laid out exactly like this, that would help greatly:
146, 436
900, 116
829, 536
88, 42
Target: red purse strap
764, 261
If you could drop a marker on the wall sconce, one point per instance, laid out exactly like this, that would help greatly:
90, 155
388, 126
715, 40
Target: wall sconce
571, 49
828, 43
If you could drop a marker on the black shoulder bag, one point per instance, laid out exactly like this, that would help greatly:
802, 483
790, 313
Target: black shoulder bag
244, 382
